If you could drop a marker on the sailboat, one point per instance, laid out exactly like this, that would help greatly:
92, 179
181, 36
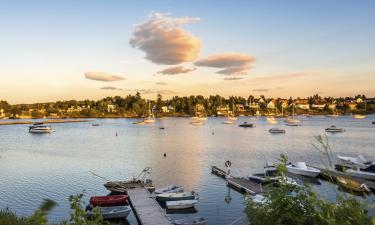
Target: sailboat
150, 118
233, 117
199, 116
230, 119
292, 121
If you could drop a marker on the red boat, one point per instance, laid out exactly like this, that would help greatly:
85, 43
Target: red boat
111, 200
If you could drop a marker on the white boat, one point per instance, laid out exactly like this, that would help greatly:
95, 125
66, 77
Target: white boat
176, 196
358, 162
257, 198
276, 131
39, 128
182, 204
169, 189
334, 129
292, 121
110, 212
367, 175
190, 221
301, 169
148, 120
199, 118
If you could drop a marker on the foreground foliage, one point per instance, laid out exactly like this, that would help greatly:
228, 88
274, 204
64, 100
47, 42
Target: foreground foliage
77, 216
290, 204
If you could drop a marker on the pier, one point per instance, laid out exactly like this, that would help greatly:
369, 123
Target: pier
240, 184
147, 209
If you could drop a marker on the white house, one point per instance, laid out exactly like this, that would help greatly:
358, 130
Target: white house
302, 103
111, 108
165, 109
271, 104
2, 113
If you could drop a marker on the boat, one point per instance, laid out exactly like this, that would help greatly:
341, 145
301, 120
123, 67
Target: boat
139, 122
196, 122
355, 162
110, 212
169, 189
245, 124
200, 113
228, 122
359, 116
367, 173
140, 180
176, 196
276, 131
182, 204
300, 168
190, 221
258, 198
111, 200
334, 129
95, 124
352, 185
292, 121
39, 128
150, 118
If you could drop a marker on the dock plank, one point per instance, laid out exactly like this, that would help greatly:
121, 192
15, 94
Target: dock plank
146, 208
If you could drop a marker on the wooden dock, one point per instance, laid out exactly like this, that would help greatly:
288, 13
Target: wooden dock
240, 184
147, 209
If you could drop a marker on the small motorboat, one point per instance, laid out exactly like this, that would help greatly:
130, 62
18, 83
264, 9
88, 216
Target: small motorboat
111, 200
176, 196
111, 212
182, 204
39, 128
301, 169
95, 124
190, 221
276, 131
169, 189
355, 162
334, 129
148, 120
196, 122
245, 124
363, 173
352, 185
359, 116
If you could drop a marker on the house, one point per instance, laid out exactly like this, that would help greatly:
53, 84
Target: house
165, 109
352, 105
254, 104
199, 108
318, 105
111, 108
359, 100
284, 103
271, 104
332, 106
240, 108
222, 110
302, 103
2, 115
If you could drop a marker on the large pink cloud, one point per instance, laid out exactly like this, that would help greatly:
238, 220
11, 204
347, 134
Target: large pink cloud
176, 70
164, 41
229, 63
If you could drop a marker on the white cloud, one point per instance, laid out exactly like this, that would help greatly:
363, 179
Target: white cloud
164, 41
103, 76
176, 70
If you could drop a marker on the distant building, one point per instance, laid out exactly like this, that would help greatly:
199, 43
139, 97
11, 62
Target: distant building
240, 108
332, 106
271, 104
318, 105
302, 103
2, 115
222, 110
359, 100
165, 109
111, 108
284, 103
351, 105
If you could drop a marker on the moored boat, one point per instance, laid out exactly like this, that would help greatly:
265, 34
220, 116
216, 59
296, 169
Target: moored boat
196, 122
39, 128
95, 124
190, 221
111, 200
228, 122
182, 204
359, 116
301, 169
276, 131
334, 129
245, 124
111, 212
176, 196
352, 185
355, 162
169, 189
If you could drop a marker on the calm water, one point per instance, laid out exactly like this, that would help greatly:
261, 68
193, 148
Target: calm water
34, 167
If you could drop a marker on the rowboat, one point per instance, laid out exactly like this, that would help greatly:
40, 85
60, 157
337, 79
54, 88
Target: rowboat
182, 204
334, 129
190, 221
111, 200
245, 124
176, 196
352, 185
276, 131
169, 189
111, 212
301, 169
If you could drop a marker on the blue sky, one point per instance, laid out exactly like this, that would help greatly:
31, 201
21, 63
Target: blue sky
47, 47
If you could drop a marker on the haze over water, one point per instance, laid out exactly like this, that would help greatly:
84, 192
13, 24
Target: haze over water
56, 165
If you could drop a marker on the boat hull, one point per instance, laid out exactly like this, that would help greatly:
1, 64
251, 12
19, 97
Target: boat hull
113, 212
310, 172
184, 204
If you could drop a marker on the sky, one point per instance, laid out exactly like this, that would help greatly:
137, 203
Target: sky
59, 50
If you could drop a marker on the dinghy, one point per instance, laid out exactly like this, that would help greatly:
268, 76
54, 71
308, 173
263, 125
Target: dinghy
352, 185
169, 189
111, 212
111, 200
358, 162
190, 221
301, 169
182, 204
176, 196
276, 131
334, 129
245, 124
